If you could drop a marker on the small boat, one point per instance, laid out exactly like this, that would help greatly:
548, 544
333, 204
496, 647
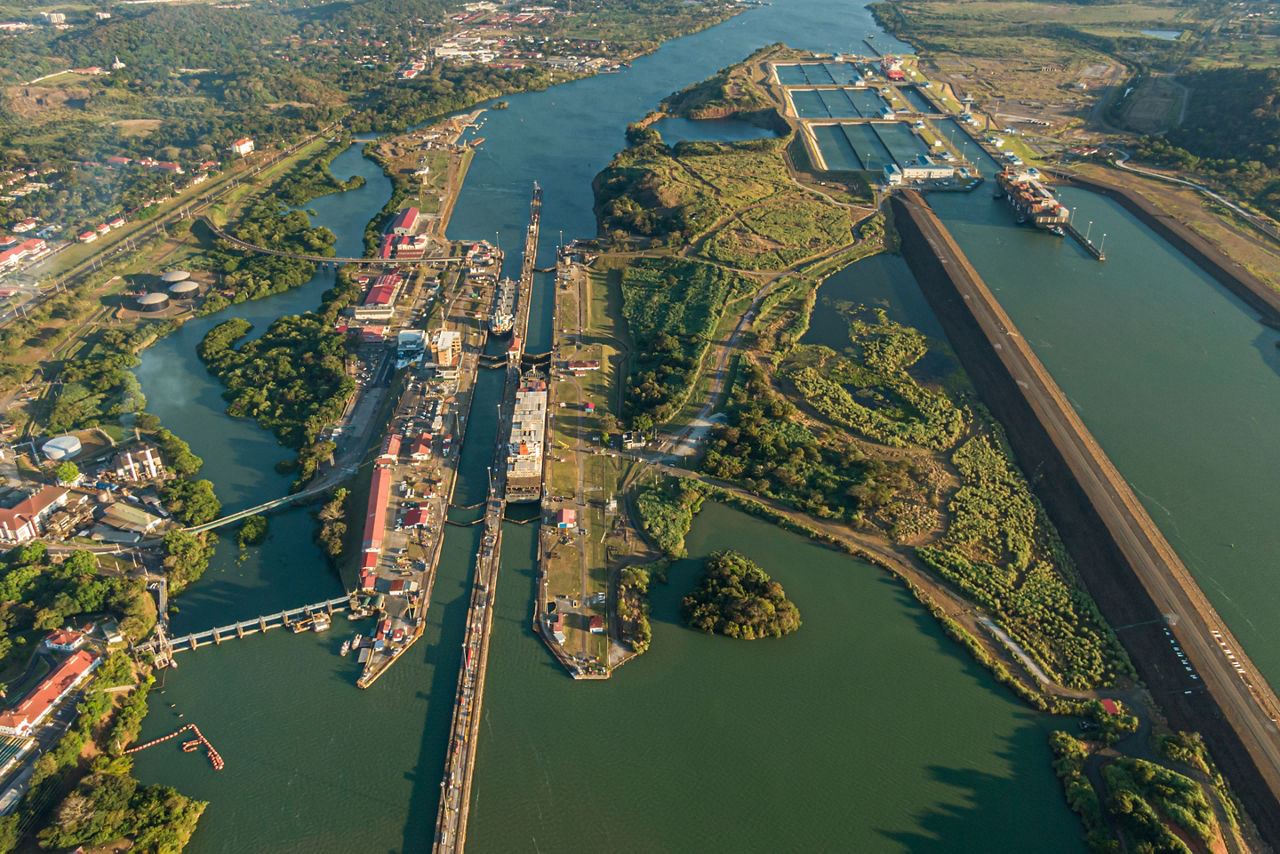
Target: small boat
1057, 229
346, 647
475, 143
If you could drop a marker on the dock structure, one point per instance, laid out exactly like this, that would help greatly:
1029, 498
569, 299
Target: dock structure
241, 629
455, 789
401, 617
1084, 241
527, 265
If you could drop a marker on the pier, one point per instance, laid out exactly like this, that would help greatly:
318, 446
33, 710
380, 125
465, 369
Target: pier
1084, 241
165, 647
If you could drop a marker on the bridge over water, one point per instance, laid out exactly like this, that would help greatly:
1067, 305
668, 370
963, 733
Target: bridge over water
166, 647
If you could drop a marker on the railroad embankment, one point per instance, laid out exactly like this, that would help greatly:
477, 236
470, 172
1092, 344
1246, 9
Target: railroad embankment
1203, 253
1131, 571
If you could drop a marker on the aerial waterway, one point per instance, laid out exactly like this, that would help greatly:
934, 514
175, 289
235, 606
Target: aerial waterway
1163, 364
866, 730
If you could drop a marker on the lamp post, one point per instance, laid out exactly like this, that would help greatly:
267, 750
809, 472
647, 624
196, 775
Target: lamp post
1089, 230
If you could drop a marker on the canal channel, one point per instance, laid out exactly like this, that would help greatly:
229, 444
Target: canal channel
865, 730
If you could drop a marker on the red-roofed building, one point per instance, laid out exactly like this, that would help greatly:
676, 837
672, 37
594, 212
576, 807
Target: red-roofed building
118, 161
28, 250
416, 518
36, 706
1110, 706
421, 448
87, 236
369, 579
380, 295
376, 515
596, 624
566, 518
242, 146
25, 520
65, 640
405, 222
557, 627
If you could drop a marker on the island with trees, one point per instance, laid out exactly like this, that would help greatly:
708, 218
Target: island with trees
738, 599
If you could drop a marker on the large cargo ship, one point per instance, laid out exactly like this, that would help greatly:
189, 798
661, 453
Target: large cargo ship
1032, 201
503, 317
525, 444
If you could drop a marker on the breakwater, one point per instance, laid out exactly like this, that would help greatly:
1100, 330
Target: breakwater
1132, 573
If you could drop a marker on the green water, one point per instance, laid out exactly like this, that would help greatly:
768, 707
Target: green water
1173, 375
867, 730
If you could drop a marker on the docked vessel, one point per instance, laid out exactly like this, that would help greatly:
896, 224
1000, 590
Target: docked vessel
1032, 201
503, 317
525, 443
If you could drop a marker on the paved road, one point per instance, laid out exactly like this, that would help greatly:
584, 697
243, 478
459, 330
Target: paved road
1247, 702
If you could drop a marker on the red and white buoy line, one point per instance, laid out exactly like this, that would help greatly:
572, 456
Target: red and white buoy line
214, 758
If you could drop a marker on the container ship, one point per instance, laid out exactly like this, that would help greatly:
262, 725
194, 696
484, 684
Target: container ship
525, 444
1032, 201
503, 317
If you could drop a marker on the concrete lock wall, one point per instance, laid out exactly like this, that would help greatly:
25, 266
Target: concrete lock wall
940, 268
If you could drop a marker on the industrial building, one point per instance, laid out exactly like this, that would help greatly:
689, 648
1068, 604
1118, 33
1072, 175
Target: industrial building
446, 352
136, 464
153, 302
61, 448
405, 222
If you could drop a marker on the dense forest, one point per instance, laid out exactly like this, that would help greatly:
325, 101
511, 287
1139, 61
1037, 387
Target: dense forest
767, 448
1230, 135
38, 594
293, 379
738, 599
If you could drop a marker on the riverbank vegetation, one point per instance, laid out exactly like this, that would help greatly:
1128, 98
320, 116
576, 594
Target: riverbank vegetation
1001, 550
768, 448
735, 597
331, 535
293, 380
107, 804
1147, 798
666, 510
871, 390
633, 605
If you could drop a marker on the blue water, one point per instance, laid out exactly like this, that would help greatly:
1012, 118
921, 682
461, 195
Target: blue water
676, 129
